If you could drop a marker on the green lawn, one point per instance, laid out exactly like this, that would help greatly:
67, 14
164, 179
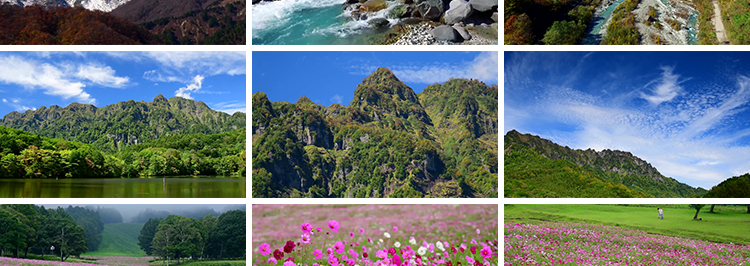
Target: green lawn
216, 263
727, 224
120, 240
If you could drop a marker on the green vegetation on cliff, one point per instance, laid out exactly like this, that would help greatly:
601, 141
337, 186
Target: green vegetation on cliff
536, 167
389, 142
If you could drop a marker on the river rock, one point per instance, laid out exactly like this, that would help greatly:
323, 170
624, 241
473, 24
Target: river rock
378, 22
483, 5
411, 21
446, 33
406, 2
463, 32
400, 11
459, 10
431, 9
374, 5
494, 16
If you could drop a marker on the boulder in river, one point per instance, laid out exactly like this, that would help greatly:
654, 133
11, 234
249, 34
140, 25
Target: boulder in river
446, 33
459, 10
483, 5
463, 32
378, 22
374, 5
431, 9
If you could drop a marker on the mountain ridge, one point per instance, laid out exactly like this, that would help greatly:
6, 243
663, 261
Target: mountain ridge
617, 167
100, 5
384, 144
110, 127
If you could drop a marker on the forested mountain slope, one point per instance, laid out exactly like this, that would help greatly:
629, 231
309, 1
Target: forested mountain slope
532, 164
113, 127
389, 142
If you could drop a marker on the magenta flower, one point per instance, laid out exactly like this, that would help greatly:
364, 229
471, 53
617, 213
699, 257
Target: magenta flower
486, 252
361, 230
474, 250
334, 225
305, 239
339, 247
333, 260
318, 254
350, 261
306, 227
470, 260
272, 260
396, 260
353, 253
316, 264
351, 234
395, 228
329, 251
265, 249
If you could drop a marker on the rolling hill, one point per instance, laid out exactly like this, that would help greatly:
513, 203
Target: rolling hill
537, 167
120, 239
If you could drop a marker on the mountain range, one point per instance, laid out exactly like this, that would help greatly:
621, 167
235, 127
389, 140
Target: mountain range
389, 142
122, 22
101, 5
537, 167
115, 126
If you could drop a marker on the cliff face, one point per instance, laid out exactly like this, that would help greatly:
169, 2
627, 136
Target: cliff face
384, 144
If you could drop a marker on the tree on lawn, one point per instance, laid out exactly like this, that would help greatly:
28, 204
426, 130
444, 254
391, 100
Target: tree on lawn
697, 208
147, 234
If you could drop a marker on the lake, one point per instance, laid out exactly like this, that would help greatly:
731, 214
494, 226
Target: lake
167, 187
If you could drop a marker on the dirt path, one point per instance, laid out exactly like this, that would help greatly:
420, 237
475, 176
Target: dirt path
721, 35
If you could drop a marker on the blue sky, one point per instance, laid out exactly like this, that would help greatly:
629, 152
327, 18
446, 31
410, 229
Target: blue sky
686, 113
331, 77
29, 80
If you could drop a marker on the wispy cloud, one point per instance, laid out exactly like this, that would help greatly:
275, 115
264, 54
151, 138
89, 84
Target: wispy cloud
666, 89
337, 99
16, 105
230, 107
183, 66
681, 132
483, 67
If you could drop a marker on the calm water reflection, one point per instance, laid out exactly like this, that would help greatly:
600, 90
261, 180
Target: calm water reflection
169, 187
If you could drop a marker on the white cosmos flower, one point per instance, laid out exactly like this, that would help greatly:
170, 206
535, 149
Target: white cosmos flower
380, 240
386, 234
412, 241
439, 245
422, 250
397, 244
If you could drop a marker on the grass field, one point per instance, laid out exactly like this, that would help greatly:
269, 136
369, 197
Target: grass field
729, 224
119, 240
216, 263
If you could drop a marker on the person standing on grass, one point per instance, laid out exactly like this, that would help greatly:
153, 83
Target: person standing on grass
661, 214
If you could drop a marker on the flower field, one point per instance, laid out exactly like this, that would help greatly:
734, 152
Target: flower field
375, 235
552, 243
29, 262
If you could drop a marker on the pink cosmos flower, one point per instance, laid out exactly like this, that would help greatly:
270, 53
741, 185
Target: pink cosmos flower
470, 260
272, 260
318, 229
395, 228
305, 239
473, 249
329, 251
353, 253
265, 249
478, 232
364, 249
350, 261
334, 225
351, 234
361, 230
306, 227
339, 247
381, 254
486, 252
333, 260
316, 264
318, 254
396, 260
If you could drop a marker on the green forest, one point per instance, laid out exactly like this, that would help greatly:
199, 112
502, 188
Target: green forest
547, 22
389, 142
539, 168
127, 139
30, 231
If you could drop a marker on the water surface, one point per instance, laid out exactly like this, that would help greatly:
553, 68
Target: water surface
160, 187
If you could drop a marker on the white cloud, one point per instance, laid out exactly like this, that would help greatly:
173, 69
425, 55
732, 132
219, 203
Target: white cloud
483, 67
184, 92
230, 107
667, 88
181, 66
4, 100
34, 75
337, 99
101, 75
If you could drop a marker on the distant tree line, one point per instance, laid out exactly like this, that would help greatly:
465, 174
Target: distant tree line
33, 229
26, 155
210, 237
